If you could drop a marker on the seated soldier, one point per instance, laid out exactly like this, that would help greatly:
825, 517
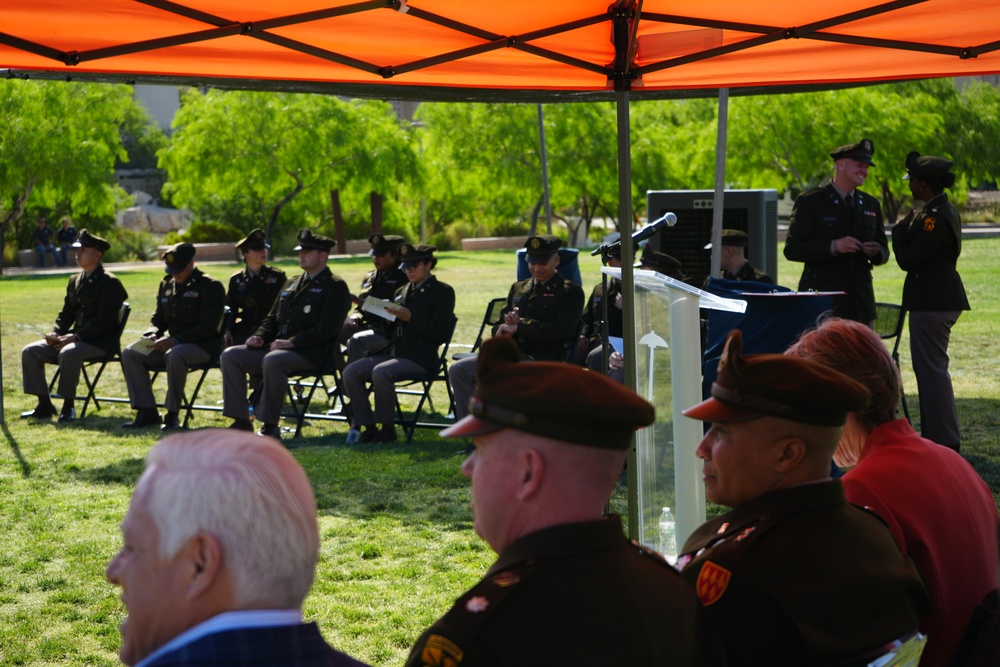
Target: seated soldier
542, 315
253, 290
381, 283
589, 350
733, 260
794, 574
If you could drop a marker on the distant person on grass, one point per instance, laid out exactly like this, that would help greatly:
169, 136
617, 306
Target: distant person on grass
219, 551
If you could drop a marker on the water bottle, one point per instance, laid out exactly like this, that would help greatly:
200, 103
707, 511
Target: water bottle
668, 536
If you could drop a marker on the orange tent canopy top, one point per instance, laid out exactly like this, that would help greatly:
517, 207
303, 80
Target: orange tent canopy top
502, 49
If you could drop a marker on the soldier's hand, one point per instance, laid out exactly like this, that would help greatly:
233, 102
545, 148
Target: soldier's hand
846, 245
165, 343
871, 248
513, 317
618, 301
506, 330
255, 341
282, 344
402, 313
52, 339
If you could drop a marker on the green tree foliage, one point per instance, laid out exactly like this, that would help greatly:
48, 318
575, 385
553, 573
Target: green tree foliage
58, 146
280, 155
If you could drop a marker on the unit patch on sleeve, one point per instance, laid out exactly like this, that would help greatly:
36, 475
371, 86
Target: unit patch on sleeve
712, 582
441, 652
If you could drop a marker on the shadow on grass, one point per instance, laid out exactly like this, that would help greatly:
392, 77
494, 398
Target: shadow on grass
25, 467
125, 472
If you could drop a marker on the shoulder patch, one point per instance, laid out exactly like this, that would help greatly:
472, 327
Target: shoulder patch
929, 224
712, 582
440, 651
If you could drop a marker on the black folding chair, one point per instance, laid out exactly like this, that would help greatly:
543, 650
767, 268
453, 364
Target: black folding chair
302, 386
112, 355
492, 318
420, 384
889, 321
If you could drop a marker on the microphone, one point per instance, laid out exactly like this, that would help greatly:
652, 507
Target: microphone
668, 219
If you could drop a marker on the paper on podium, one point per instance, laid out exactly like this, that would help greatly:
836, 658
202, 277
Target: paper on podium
658, 283
377, 307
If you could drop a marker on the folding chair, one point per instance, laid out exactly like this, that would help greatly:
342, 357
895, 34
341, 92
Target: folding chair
889, 320
492, 318
302, 386
420, 384
113, 354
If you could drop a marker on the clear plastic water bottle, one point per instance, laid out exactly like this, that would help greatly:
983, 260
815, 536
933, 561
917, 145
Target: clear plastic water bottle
668, 536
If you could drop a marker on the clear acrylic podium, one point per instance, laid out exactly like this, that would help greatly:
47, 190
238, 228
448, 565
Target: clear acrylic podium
668, 375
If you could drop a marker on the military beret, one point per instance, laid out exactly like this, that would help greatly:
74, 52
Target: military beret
310, 241
658, 261
540, 248
732, 237
925, 165
861, 151
254, 241
385, 243
411, 255
88, 240
177, 257
776, 385
554, 400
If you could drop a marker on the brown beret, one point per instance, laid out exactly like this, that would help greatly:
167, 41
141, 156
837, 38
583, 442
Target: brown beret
778, 386
550, 399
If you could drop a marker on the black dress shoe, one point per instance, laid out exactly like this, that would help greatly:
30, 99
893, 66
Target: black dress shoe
385, 434
67, 416
272, 430
40, 412
368, 434
171, 422
242, 425
144, 417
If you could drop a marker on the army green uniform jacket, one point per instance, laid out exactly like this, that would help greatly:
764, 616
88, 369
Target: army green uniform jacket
575, 594
799, 576
928, 249
380, 285
550, 316
310, 313
748, 272
819, 217
90, 309
250, 298
592, 314
432, 322
190, 311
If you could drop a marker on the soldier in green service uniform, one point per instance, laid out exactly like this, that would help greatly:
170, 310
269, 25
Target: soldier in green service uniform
568, 588
85, 328
542, 314
184, 330
794, 574
253, 290
298, 334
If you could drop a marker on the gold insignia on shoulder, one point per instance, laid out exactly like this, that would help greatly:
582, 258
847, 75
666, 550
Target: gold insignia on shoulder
712, 582
506, 579
441, 652
929, 223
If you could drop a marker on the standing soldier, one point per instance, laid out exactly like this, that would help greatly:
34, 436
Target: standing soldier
298, 334
85, 328
837, 230
184, 331
253, 290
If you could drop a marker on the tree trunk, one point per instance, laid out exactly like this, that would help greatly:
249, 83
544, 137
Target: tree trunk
16, 211
377, 202
338, 222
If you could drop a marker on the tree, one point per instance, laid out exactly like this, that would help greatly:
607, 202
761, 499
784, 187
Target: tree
268, 152
58, 146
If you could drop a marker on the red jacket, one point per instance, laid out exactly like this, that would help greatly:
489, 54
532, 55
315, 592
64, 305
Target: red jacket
942, 515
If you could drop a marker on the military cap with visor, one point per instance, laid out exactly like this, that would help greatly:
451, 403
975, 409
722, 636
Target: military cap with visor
775, 385
732, 237
412, 255
861, 152
255, 240
88, 240
541, 248
925, 165
660, 261
383, 243
554, 400
178, 257
310, 241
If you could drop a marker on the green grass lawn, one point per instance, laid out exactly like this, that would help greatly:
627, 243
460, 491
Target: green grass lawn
397, 544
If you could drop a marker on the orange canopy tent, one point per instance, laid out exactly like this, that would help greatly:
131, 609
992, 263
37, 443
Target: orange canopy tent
505, 49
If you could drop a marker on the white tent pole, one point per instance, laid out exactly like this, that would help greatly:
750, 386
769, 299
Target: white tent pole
718, 199
545, 170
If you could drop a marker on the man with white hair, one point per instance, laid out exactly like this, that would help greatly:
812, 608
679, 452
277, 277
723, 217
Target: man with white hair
219, 551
